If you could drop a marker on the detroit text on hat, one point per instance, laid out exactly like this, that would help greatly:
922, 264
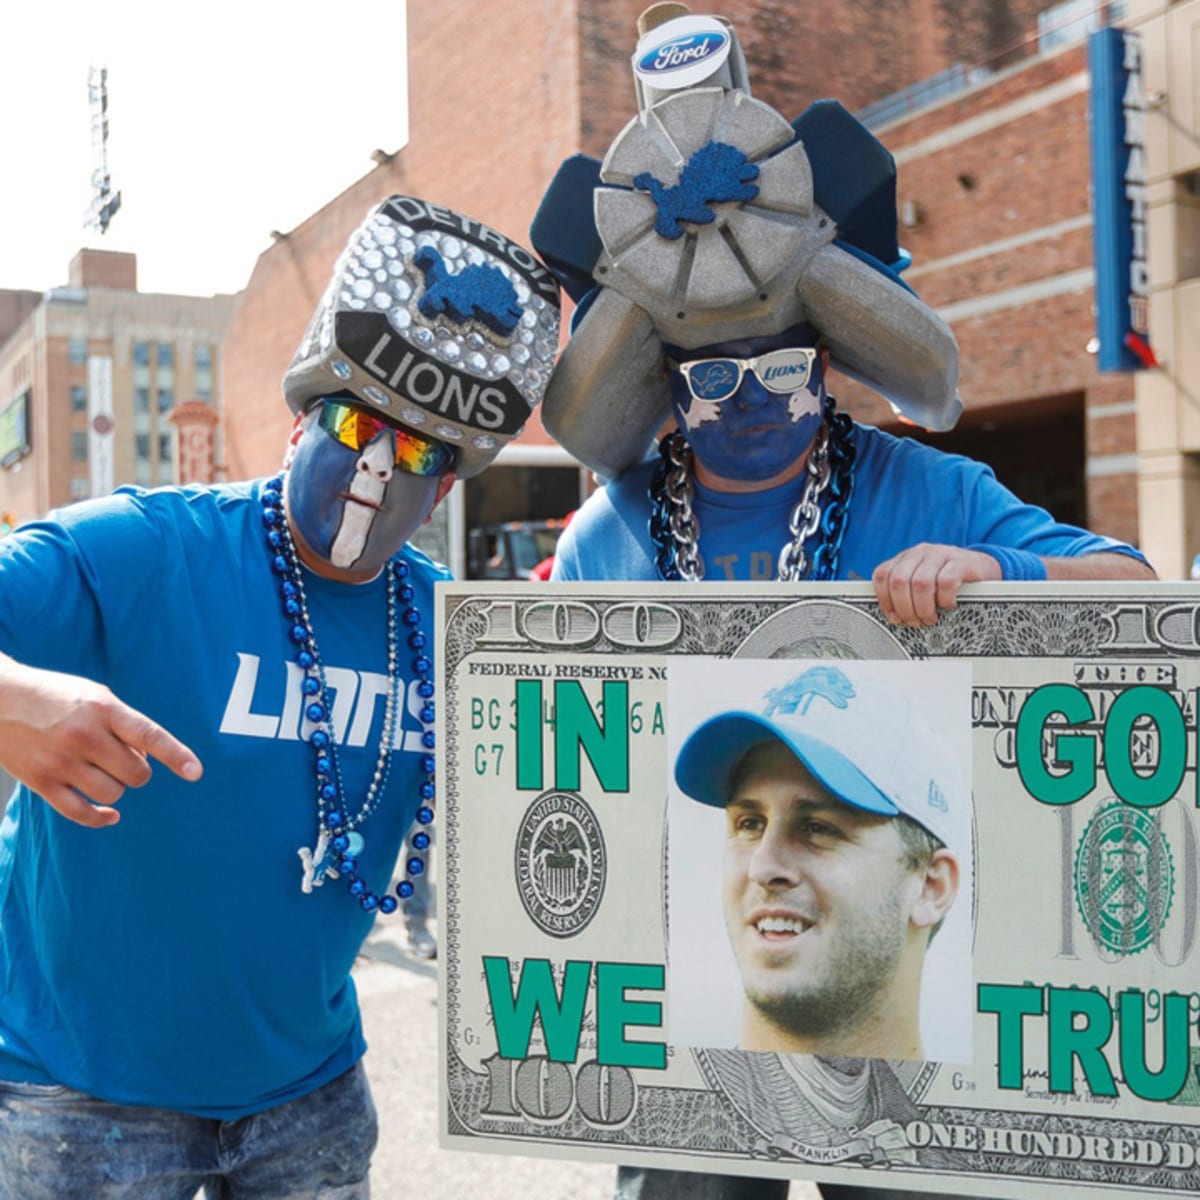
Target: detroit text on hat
421, 213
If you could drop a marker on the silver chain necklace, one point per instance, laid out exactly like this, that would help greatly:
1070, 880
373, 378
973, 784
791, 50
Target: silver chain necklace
684, 528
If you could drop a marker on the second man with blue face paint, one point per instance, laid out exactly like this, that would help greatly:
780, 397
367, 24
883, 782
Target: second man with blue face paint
734, 258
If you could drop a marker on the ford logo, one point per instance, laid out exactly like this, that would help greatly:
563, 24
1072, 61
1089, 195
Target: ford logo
682, 52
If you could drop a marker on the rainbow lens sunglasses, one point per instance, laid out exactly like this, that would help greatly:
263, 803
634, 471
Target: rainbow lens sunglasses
356, 428
715, 379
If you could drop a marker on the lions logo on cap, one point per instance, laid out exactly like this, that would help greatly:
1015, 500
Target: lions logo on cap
827, 682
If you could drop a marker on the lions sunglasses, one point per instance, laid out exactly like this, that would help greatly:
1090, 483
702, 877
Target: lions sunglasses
716, 379
356, 428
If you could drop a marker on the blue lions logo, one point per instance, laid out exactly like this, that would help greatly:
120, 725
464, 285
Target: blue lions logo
717, 172
480, 291
827, 682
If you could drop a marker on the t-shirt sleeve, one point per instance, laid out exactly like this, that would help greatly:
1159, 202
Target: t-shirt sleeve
994, 516
566, 556
63, 579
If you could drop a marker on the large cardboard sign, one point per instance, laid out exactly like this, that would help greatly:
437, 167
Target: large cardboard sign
742, 879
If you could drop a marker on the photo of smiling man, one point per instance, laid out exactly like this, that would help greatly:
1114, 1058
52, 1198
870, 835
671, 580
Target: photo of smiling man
821, 812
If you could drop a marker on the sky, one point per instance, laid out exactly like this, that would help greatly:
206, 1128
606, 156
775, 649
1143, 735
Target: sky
226, 121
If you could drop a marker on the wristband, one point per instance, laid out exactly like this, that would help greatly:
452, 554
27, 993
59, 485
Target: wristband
1016, 566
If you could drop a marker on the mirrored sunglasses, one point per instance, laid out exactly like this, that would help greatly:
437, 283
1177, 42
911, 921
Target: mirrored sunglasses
715, 379
356, 428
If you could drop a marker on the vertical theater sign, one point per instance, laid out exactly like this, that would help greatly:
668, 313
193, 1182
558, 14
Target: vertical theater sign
1118, 134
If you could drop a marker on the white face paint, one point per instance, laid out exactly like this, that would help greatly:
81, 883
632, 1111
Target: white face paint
700, 412
372, 473
803, 404
800, 404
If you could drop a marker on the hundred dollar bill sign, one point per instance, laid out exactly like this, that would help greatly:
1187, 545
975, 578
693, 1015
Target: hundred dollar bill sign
603, 986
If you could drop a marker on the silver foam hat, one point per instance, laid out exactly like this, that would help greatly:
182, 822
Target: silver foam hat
438, 322
709, 231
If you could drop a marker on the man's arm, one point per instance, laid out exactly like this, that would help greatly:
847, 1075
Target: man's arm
68, 738
1105, 564
914, 585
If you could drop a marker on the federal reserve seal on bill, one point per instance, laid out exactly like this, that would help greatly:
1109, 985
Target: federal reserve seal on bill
560, 863
1124, 878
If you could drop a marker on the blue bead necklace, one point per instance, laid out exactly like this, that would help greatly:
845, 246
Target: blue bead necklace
339, 843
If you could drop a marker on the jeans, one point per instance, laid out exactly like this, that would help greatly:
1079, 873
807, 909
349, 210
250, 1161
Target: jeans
648, 1183
59, 1144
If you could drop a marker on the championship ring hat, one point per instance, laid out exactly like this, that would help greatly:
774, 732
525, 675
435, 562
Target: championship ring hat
436, 322
714, 219
882, 737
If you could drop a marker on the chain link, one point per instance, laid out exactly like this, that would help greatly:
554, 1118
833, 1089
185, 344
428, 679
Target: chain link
806, 516
675, 529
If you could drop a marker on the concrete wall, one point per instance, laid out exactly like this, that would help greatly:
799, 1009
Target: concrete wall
1168, 399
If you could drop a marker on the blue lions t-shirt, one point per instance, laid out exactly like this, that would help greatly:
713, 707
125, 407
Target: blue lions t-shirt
904, 493
173, 960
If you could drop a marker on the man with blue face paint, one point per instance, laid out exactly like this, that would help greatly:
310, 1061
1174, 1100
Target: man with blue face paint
357, 486
178, 1010
725, 322
749, 409
722, 259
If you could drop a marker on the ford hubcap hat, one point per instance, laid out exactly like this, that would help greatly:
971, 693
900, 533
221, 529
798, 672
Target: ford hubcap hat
437, 322
717, 219
888, 738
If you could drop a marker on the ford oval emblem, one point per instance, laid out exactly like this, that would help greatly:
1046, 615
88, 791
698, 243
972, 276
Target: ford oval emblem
682, 52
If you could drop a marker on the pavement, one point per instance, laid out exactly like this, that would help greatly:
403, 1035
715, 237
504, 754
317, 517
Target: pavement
399, 1002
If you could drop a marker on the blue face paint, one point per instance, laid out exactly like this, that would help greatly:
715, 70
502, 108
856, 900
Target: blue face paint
354, 509
755, 434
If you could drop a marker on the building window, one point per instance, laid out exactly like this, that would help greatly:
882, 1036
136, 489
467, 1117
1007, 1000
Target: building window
166, 355
1187, 226
141, 463
203, 387
77, 351
141, 400
141, 372
166, 397
78, 398
81, 489
79, 447
166, 464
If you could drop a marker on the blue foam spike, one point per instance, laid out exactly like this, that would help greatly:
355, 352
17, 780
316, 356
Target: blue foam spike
854, 178
564, 228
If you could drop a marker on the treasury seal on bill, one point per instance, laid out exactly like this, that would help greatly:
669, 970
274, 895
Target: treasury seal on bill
560, 863
1124, 878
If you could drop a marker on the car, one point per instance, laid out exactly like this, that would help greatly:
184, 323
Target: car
514, 549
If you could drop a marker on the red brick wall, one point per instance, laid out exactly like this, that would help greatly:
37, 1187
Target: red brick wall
856, 50
493, 111
977, 195
282, 294
1019, 176
15, 306
104, 268
493, 104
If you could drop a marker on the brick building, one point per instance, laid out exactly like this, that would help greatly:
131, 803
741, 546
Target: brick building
983, 103
89, 374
